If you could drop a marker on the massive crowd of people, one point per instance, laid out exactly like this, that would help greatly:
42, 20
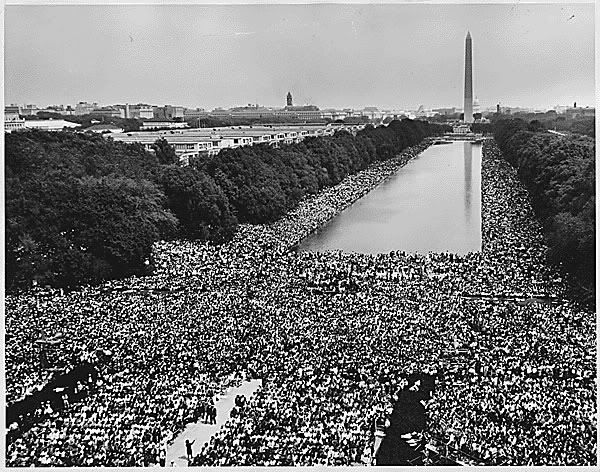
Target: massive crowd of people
332, 335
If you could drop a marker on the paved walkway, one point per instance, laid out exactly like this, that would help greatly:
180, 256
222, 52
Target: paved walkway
202, 432
379, 435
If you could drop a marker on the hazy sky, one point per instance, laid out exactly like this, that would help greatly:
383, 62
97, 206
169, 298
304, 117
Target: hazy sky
330, 55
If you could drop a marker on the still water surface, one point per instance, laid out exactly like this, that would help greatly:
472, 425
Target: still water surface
433, 204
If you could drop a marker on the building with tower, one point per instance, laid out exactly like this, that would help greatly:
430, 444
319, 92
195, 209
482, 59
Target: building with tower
301, 112
468, 104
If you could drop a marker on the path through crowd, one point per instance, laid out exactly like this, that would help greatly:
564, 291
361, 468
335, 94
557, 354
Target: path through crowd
201, 433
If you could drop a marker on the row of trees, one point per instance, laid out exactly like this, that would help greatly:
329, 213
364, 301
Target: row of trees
262, 183
82, 209
565, 122
560, 175
550, 120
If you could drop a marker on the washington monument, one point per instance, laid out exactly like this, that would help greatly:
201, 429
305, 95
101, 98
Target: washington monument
468, 108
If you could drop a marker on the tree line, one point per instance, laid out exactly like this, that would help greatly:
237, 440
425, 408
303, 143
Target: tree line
549, 120
560, 176
82, 209
262, 183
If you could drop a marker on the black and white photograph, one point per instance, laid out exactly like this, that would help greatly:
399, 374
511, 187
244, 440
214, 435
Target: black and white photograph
319, 234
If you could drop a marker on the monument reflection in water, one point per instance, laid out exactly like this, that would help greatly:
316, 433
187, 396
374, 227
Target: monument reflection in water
431, 204
468, 159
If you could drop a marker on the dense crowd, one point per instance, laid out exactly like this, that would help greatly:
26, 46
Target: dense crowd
332, 335
528, 394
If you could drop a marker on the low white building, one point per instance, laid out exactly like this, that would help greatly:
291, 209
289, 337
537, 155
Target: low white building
104, 128
461, 129
50, 125
147, 125
197, 142
14, 124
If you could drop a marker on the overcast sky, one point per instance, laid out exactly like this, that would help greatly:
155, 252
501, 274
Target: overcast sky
330, 55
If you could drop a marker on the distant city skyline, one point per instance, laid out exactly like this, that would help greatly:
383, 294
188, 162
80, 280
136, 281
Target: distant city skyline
55, 105
339, 56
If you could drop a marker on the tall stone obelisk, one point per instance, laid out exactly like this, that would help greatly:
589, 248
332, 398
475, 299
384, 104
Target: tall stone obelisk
468, 108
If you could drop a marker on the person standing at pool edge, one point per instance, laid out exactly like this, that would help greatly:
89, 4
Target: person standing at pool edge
188, 448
